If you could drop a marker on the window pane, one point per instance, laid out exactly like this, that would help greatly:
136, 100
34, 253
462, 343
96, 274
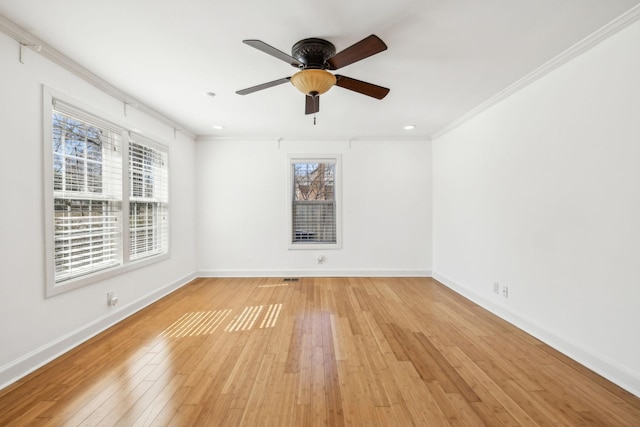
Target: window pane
314, 222
148, 197
87, 182
314, 209
313, 181
87, 234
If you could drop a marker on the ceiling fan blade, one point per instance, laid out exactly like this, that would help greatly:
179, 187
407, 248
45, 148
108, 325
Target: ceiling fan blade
364, 88
312, 104
263, 86
270, 50
363, 49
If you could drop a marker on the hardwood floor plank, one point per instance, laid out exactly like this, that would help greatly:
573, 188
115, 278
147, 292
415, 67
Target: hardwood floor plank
467, 415
258, 407
32, 416
317, 351
318, 401
491, 391
153, 402
219, 412
241, 380
446, 405
539, 410
393, 339
211, 394
446, 375
303, 390
417, 354
332, 384
420, 403
106, 393
295, 345
375, 387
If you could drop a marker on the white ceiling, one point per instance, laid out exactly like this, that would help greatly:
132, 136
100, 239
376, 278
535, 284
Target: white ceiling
444, 57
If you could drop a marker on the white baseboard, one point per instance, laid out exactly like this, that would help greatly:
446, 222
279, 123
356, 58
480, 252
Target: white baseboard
315, 273
14, 370
601, 365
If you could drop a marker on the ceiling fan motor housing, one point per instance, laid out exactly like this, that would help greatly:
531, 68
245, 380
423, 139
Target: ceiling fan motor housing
313, 53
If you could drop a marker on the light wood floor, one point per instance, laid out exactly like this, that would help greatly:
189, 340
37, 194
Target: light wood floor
323, 351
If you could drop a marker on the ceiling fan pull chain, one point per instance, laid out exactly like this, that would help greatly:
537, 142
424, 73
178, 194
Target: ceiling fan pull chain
314, 119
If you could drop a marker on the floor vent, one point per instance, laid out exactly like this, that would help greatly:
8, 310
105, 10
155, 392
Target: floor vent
290, 279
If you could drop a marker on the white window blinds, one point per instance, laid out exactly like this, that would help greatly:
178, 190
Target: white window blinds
106, 197
313, 202
87, 181
148, 199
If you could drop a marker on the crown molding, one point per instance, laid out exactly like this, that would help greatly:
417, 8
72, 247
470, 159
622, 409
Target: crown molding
248, 138
626, 19
28, 40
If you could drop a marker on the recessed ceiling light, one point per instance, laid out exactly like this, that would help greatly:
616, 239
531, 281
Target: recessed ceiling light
409, 127
218, 127
211, 94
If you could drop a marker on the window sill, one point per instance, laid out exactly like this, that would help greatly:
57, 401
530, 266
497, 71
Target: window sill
316, 246
78, 282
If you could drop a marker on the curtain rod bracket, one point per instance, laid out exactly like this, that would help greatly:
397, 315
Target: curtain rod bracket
35, 47
133, 104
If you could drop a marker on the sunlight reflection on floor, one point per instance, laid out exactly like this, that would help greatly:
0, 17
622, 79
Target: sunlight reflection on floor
206, 322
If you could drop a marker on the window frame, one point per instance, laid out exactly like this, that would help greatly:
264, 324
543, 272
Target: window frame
125, 264
159, 196
337, 188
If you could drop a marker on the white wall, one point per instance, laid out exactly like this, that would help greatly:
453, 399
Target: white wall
541, 193
242, 209
32, 327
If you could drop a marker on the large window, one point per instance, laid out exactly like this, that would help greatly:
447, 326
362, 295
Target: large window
314, 203
106, 197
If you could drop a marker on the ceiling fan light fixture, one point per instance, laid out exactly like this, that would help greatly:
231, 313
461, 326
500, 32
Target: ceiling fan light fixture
313, 82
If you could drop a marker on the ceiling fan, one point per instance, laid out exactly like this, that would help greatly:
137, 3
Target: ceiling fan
313, 57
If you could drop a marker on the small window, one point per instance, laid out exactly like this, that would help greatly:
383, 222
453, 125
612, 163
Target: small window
314, 203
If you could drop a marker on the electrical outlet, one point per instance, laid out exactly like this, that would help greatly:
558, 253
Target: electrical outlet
505, 291
112, 299
496, 288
